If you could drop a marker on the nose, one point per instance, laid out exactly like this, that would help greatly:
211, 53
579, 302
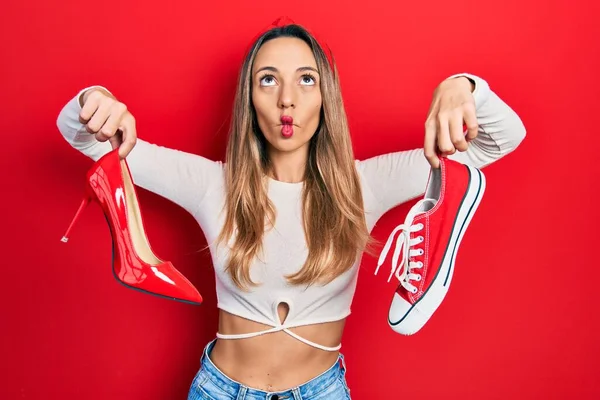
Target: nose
287, 96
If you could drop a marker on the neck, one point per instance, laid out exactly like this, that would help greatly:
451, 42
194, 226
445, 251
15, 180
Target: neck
288, 166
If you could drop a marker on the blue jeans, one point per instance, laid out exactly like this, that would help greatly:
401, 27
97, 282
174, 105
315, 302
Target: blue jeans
211, 384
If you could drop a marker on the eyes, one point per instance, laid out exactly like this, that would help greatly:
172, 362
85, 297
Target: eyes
305, 80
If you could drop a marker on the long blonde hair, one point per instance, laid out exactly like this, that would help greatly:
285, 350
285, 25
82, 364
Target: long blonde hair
333, 210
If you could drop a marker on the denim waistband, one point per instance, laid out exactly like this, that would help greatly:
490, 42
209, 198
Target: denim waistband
305, 390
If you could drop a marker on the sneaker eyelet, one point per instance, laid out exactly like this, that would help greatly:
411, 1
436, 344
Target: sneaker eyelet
418, 278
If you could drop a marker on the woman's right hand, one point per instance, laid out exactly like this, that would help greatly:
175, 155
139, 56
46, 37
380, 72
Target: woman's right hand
108, 119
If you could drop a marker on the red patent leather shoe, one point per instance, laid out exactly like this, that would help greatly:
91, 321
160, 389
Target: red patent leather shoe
135, 265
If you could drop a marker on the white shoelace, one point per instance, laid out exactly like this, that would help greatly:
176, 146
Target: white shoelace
405, 245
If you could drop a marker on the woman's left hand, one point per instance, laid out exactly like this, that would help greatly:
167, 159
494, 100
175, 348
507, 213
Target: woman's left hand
452, 108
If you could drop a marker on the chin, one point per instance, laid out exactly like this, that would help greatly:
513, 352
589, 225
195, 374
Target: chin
283, 144
286, 145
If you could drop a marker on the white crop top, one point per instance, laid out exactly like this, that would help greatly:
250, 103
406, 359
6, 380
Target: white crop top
197, 184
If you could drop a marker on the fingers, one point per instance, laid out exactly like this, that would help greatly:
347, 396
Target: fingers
97, 121
116, 112
90, 106
444, 130
430, 143
109, 129
116, 140
444, 140
470, 118
129, 135
444, 134
109, 119
457, 135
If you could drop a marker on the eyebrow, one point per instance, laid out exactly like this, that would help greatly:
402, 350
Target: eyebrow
273, 69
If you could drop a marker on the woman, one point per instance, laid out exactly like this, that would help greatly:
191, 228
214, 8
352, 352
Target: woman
300, 205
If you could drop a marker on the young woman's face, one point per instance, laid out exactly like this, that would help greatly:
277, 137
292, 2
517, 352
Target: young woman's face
285, 83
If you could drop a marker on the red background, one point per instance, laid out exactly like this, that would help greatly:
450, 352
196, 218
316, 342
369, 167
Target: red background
521, 317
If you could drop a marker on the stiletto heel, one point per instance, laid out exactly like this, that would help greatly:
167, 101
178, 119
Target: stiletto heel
134, 264
84, 203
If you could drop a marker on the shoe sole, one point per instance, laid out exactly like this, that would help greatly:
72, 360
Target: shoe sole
421, 311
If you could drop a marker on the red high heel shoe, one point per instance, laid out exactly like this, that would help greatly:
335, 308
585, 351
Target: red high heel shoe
135, 265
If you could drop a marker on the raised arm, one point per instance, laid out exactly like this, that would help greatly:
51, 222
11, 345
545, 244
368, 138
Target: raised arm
180, 177
397, 177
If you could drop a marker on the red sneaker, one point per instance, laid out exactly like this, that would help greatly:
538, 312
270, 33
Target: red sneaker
429, 242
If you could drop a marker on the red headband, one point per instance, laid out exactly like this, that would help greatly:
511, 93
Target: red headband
284, 21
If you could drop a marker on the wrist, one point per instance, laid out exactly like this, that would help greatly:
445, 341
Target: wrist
467, 82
